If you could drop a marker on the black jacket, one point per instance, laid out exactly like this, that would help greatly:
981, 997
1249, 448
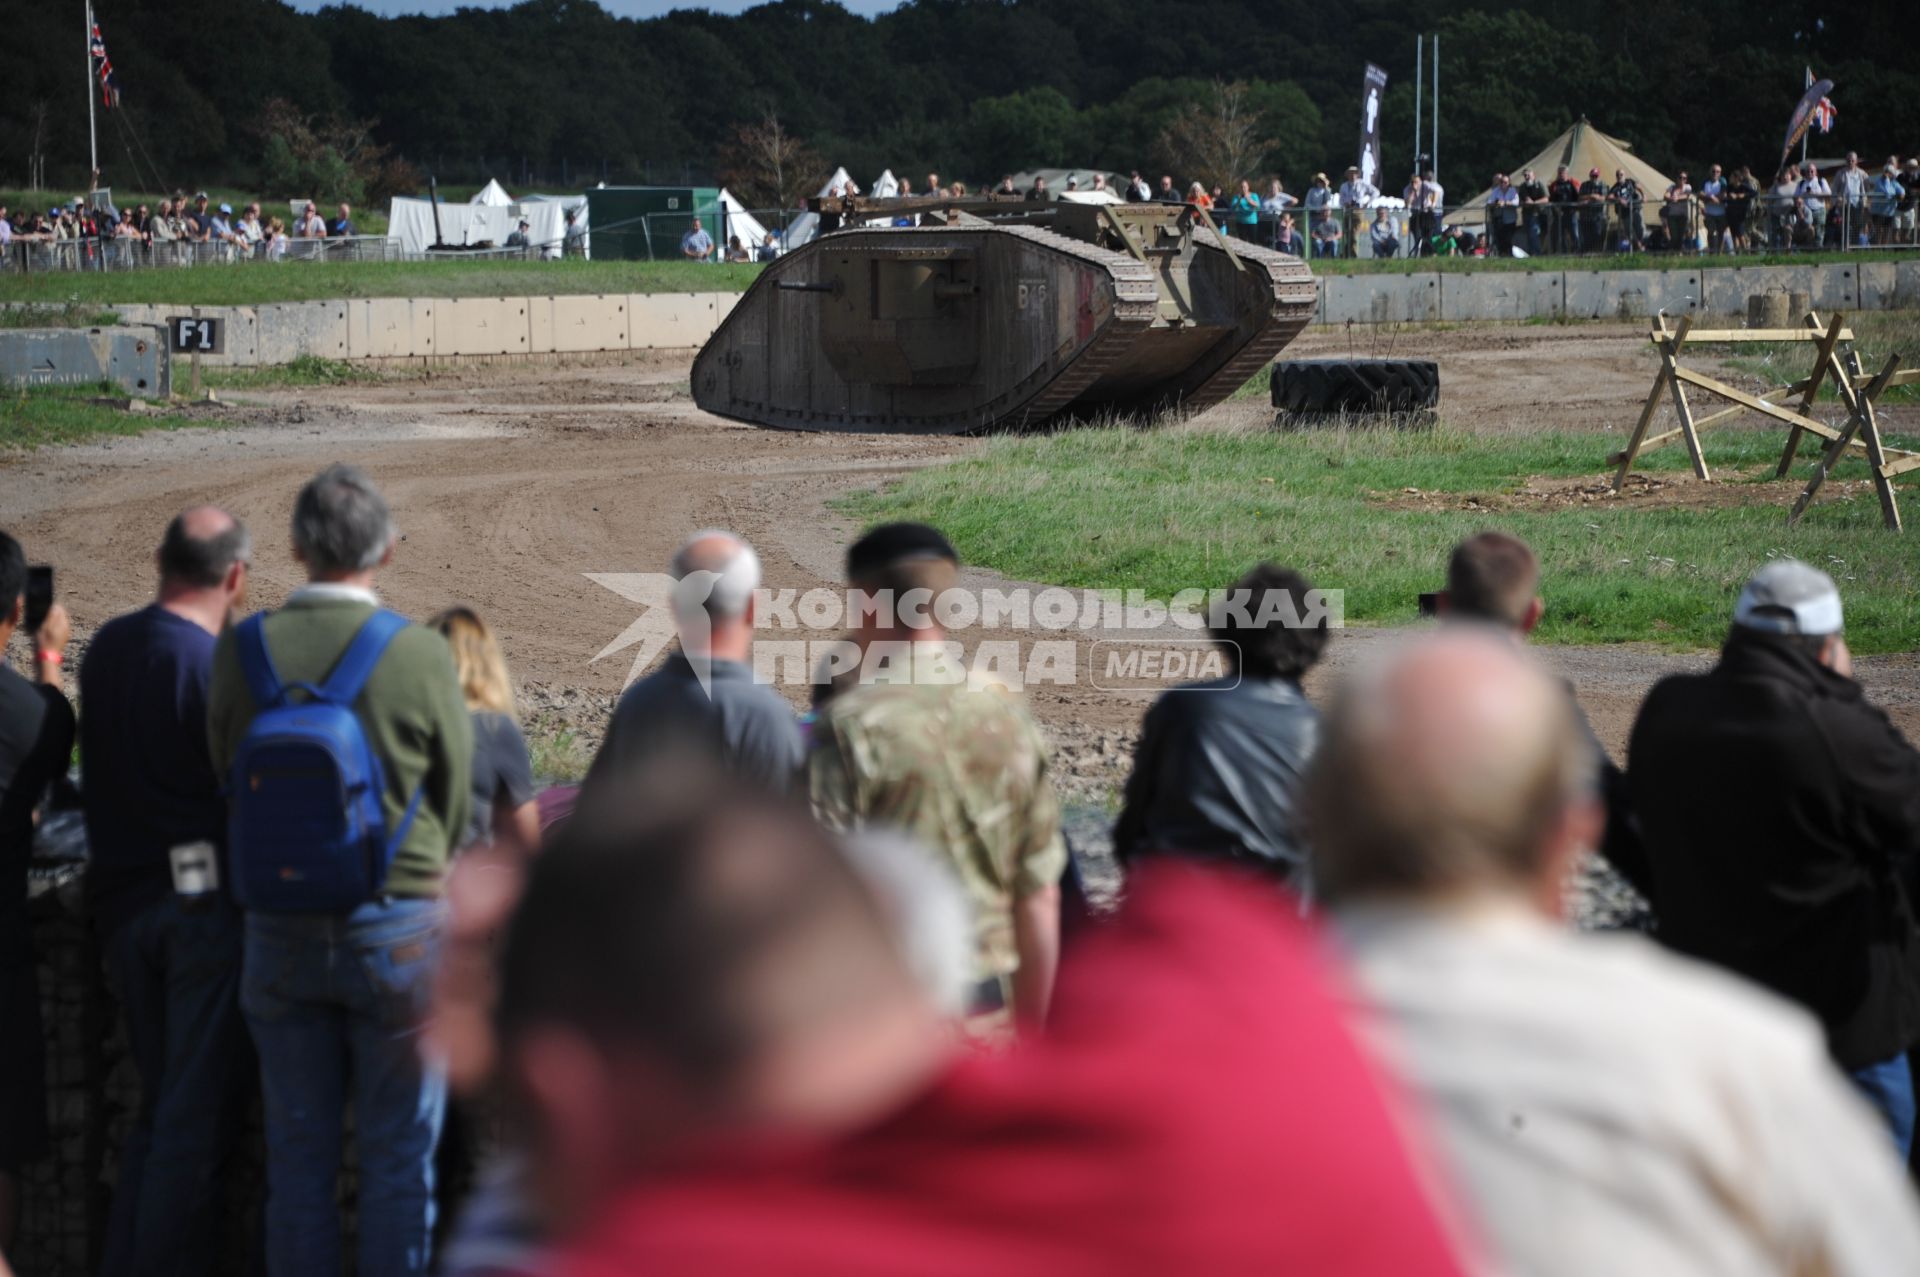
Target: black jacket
1216, 774
1781, 814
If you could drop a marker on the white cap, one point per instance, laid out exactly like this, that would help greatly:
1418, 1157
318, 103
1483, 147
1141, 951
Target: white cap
1789, 597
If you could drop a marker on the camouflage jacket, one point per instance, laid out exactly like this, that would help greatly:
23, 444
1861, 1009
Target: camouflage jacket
964, 770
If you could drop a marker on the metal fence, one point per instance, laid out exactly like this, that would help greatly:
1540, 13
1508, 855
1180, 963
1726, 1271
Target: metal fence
1768, 223
33, 254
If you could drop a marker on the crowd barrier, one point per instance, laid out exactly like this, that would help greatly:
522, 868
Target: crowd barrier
29, 255
428, 329
1768, 224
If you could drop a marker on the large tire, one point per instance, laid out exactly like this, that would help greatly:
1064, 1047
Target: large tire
1337, 387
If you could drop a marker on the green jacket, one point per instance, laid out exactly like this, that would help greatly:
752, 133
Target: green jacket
411, 710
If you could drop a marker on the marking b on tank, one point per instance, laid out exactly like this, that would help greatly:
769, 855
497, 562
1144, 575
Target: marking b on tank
1033, 291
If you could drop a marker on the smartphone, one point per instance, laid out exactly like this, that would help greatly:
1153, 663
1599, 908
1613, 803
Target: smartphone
39, 597
1430, 603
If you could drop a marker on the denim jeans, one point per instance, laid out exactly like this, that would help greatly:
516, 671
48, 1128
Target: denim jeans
176, 967
335, 1004
1888, 1086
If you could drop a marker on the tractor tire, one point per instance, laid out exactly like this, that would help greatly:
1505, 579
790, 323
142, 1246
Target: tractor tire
1349, 387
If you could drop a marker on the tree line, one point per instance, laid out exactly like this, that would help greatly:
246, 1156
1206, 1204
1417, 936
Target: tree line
258, 93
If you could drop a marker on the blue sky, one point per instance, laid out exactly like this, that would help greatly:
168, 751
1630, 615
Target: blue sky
621, 8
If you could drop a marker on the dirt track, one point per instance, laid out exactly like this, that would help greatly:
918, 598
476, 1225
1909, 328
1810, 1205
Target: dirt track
511, 483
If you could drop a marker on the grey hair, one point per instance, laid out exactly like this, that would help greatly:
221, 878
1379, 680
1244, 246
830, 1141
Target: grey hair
341, 522
735, 574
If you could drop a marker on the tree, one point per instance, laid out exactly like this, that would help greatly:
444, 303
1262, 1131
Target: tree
1218, 139
772, 167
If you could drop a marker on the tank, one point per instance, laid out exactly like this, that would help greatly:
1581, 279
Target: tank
1000, 315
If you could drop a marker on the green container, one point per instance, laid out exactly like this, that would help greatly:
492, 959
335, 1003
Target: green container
645, 223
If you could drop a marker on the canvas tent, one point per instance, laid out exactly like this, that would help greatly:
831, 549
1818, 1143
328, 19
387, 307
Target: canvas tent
807, 225
1581, 148
574, 204
410, 223
493, 195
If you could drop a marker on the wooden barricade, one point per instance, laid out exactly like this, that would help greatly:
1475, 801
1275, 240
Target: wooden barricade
1861, 434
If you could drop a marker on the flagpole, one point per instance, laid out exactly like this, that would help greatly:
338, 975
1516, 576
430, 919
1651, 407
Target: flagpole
93, 147
1806, 136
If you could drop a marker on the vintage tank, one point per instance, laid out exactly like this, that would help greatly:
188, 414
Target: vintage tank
999, 314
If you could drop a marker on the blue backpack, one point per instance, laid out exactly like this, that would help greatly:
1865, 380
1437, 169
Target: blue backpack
306, 831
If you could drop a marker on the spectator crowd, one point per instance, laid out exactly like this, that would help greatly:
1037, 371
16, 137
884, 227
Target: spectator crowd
177, 231
827, 993
1726, 212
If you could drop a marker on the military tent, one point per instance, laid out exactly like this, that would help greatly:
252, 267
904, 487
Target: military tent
1582, 149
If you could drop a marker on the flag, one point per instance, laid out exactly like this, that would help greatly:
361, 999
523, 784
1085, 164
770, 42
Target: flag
103, 69
1824, 112
1803, 115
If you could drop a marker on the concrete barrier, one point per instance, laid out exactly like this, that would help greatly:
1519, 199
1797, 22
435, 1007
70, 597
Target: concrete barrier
578, 325
1380, 299
383, 327
133, 358
671, 321
1510, 295
1876, 286
1906, 284
479, 326
429, 328
290, 330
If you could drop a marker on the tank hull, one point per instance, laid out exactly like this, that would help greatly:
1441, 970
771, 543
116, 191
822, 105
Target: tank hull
980, 326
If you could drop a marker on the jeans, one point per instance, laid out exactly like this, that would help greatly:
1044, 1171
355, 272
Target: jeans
177, 969
335, 1004
1888, 1086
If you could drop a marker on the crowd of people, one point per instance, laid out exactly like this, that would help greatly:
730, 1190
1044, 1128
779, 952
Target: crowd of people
1850, 207
176, 231
824, 993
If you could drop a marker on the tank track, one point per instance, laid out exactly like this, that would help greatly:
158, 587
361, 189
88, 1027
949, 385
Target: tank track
1295, 297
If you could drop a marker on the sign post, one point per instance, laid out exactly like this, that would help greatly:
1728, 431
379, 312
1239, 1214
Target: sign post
190, 335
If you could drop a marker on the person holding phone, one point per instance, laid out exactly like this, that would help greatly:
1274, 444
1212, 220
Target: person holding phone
36, 740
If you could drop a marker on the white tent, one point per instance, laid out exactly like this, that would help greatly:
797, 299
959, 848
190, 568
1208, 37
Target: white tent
493, 195
410, 222
807, 225
886, 186
574, 204
740, 222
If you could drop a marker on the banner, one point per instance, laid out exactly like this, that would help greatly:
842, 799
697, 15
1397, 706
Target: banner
1374, 88
1803, 115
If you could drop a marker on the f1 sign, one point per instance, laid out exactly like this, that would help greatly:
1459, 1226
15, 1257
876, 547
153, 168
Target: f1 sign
190, 335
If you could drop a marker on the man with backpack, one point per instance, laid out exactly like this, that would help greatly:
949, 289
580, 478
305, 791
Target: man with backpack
347, 749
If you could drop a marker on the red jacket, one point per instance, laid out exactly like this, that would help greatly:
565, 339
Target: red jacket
1197, 1107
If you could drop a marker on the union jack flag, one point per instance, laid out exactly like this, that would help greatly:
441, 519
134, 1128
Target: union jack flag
103, 69
1824, 115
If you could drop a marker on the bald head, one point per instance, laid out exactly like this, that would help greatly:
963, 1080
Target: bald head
201, 547
1455, 766
722, 562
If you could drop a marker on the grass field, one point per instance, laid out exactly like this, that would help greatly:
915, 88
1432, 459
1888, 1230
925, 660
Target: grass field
1877, 334
1376, 512
42, 416
257, 282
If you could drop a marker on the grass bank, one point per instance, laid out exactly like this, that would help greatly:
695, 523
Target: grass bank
255, 283
1376, 512
42, 416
